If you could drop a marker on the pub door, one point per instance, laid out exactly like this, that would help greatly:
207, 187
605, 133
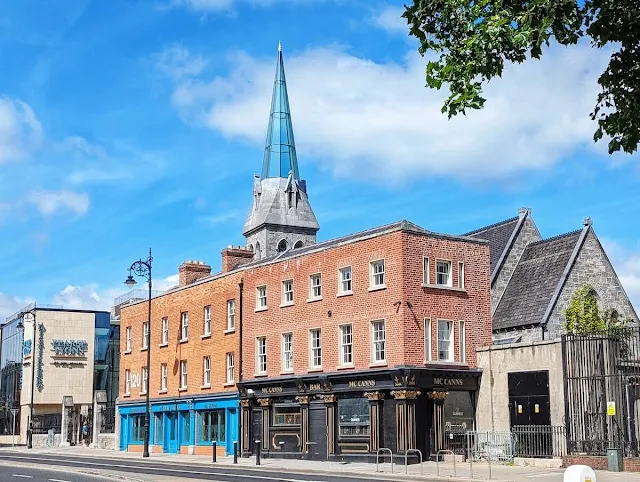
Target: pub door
317, 431
256, 432
424, 425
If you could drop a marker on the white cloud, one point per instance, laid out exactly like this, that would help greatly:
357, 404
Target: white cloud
20, 129
366, 118
11, 304
177, 62
87, 297
50, 202
78, 144
626, 262
389, 19
216, 6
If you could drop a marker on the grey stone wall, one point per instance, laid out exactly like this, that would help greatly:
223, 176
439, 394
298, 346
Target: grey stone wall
529, 335
591, 267
107, 441
40, 440
528, 234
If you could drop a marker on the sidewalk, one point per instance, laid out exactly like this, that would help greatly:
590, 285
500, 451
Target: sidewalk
431, 471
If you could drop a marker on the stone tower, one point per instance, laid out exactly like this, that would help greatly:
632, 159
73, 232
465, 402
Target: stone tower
281, 217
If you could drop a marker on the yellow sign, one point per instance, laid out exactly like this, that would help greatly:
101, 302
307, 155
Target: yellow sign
537, 408
611, 409
587, 479
519, 408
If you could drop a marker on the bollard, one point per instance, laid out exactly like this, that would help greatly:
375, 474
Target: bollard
258, 443
235, 452
214, 444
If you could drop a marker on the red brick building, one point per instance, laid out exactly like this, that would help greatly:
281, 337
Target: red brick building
335, 349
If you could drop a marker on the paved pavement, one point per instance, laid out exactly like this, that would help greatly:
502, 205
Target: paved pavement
190, 467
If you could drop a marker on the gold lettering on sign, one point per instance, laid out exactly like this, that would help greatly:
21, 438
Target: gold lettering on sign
272, 390
449, 382
315, 386
362, 383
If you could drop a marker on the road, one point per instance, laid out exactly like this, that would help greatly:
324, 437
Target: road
146, 470
23, 473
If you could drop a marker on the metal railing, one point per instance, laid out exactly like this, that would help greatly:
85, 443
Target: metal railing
447, 452
108, 424
384, 450
43, 423
539, 441
406, 460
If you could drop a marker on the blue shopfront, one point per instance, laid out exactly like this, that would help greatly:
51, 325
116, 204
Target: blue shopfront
187, 426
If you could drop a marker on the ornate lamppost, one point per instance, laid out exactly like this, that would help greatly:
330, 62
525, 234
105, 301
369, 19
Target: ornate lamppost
142, 268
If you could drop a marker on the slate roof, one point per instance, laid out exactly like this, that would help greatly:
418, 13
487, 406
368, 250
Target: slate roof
498, 236
534, 282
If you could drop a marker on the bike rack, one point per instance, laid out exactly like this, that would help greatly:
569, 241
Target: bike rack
385, 450
406, 459
448, 452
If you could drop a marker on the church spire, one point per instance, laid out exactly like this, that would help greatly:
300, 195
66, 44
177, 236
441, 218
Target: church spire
280, 149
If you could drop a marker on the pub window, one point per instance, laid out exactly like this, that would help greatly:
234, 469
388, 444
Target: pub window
287, 352
212, 426
315, 342
378, 339
138, 428
353, 416
445, 340
261, 355
287, 415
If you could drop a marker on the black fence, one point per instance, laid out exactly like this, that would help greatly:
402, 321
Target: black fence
43, 423
108, 419
602, 391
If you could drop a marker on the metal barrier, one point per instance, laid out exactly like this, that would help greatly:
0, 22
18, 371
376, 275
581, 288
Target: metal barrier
449, 452
385, 450
406, 460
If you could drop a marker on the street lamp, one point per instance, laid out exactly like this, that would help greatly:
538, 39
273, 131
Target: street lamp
142, 268
20, 327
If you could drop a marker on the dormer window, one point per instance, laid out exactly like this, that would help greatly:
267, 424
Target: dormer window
282, 246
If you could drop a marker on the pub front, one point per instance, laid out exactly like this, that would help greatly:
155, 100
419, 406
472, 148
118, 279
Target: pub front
349, 416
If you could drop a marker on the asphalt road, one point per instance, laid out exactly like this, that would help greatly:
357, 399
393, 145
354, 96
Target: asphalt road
22, 473
161, 470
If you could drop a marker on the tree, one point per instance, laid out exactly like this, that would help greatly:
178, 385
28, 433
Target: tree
473, 39
583, 317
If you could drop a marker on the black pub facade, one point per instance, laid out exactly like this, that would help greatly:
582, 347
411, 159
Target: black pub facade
349, 416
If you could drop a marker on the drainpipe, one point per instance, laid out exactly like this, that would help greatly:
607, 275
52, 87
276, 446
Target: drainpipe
240, 286
491, 386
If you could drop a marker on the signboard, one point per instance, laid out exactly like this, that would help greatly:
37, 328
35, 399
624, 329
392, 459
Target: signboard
536, 408
519, 408
362, 383
448, 382
67, 402
611, 409
70, 347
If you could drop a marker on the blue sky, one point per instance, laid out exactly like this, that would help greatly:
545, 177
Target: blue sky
129, 124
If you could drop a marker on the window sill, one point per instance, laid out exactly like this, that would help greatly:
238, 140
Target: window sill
260, 309
183, 340
144, 349
286, 372
377, 288
379, 364
205, 386
314, 370
126, 395
345, 367
163, 345
260, 375
128, 352
143, 393
445, 362
284, 305
205, 336
228, 331
346, 293
445, 288
229, 384
311, 300
161, 392
182, 389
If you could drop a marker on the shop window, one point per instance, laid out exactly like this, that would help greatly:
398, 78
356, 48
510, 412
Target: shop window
212, 426
137, 432
186, 424
353, 416
159, 429
286, 415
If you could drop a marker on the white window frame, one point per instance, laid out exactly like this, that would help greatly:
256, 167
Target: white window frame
315, 351
315, 290
206, 371
375, 275
230, 367
260, 298
462, 341
346, 345
287, 292
164, 371
165, 331
287, 352
184, 374
144, 383
206, 330
450, 350
426, 274
378, 342
127, 382
261, 355
449, 282
184, 326
428, 341
461, 275
231, 315
128, 340
145, 335
342, 280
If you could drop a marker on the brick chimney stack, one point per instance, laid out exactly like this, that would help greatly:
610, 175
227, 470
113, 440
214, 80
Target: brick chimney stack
191, 271
235, 256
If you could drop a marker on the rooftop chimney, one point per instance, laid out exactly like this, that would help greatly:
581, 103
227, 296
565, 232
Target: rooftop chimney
191, 271
235, 256
587, 221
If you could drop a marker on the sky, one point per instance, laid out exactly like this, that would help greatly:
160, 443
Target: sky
132, 124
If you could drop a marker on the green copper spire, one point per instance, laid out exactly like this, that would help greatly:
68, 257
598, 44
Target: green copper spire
280, 149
